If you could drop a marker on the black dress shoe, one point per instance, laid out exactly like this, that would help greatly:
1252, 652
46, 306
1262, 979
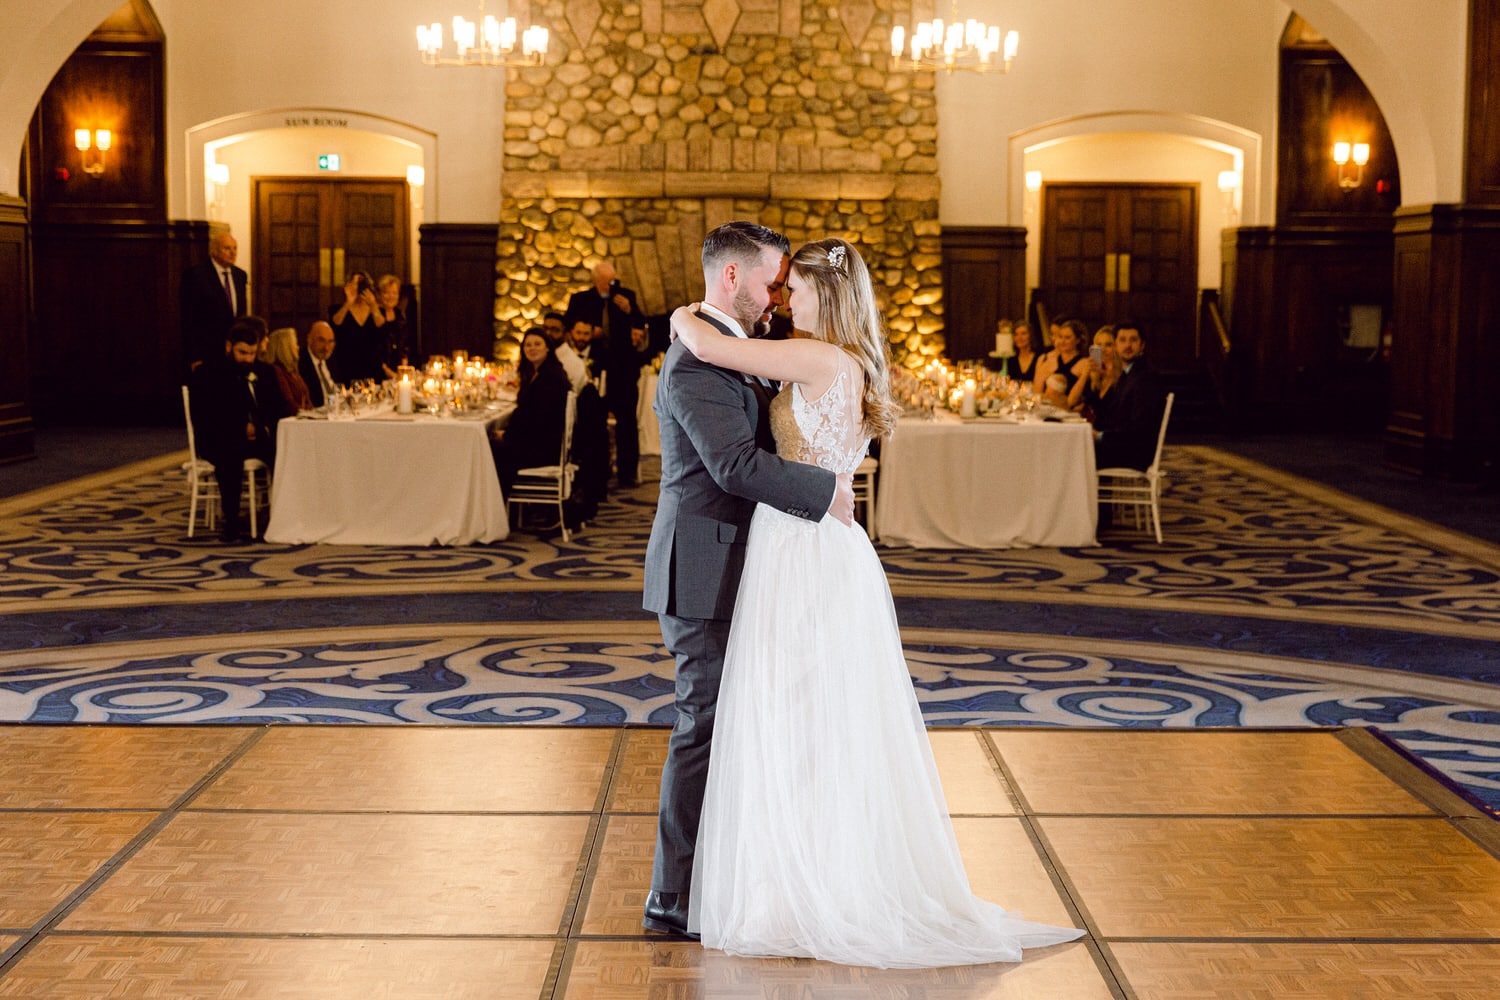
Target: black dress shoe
667, 912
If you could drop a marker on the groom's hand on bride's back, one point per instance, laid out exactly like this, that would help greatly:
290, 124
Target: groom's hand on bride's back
842, 506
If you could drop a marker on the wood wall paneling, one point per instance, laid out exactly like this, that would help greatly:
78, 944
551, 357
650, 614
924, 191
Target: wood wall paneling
107, 344
1482, 145
984, 281
17, 437
1322, 100
458, 287
113, 86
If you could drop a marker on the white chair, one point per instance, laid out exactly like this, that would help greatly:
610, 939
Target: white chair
864, 492
550, 485
1122, 487
203, 486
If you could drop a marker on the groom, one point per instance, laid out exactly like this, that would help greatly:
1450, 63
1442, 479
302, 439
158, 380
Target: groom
717, 461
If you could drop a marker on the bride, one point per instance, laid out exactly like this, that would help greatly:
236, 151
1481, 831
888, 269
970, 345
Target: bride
824, 831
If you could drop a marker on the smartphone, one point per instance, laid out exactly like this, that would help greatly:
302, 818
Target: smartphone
1096, 357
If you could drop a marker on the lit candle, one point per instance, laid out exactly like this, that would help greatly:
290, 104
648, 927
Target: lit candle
970, 405
403, 395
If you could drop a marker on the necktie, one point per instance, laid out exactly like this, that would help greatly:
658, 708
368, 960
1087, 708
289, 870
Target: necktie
324, 377
228, 290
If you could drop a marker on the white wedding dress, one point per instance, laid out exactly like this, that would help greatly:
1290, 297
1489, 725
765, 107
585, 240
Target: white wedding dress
824, 831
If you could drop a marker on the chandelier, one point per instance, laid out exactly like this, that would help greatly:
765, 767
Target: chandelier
488, 42
968, 45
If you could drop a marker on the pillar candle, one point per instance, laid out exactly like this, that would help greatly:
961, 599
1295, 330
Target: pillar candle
970, 405
403, 395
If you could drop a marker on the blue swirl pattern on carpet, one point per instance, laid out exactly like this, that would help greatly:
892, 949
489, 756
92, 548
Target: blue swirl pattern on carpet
1266, 606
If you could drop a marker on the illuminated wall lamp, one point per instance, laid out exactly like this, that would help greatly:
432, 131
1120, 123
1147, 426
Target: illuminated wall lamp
218, 175
95, 142
1343, 152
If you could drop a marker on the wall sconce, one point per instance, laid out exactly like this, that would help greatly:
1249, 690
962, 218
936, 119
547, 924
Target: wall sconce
416, 179
1229, 186
96, 142
218, 175
1033, 181
1343, 152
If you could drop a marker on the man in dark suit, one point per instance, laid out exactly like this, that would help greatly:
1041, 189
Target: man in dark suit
236, 405
612, 312
318, 366
1127, 420
212, 297
717, 460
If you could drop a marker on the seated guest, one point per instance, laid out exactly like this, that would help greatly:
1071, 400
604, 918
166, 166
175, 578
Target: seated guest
357, 324
1127, 418
562, 347
1023, 365
320, 370
236, 406
594, 353
1091, 384
1068, 338
282, 351
533, 435
393, 303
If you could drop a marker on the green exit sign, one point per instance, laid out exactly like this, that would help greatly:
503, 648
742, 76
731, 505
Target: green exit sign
328, 161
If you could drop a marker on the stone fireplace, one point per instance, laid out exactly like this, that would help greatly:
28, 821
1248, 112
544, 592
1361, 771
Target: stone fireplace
663, 119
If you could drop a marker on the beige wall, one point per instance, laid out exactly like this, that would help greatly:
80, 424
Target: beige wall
1215, 59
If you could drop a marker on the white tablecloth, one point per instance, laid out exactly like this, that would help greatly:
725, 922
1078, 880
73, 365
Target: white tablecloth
987, 485
388, 480
645, 413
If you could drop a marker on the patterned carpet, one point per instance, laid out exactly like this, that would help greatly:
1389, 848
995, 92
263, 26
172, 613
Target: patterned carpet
1272, 603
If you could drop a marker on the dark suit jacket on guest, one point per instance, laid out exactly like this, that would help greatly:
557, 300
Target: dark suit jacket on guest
224, 400
718, 460
623, 358
204, 309
310, 375
1128, 418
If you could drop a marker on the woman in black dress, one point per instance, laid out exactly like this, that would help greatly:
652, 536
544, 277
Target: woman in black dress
357, 328
533, 435
1068, 338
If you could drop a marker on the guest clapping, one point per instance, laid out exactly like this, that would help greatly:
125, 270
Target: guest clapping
357, 324
533, 435
283, 355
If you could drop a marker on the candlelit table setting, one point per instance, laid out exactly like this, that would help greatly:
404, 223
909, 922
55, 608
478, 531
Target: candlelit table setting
979, 462
403, 463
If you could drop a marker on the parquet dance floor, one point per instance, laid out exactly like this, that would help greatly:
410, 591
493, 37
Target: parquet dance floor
1261, 759
467, 862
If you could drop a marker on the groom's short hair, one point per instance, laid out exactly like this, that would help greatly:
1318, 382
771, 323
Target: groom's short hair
740, 241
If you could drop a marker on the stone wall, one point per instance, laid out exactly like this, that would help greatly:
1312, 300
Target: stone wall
655, 121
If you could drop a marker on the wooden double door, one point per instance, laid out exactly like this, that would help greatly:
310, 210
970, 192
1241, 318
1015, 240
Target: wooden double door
308, 234
1112, 252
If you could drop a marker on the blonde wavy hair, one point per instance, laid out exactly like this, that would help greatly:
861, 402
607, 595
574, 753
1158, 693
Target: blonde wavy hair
851, 320
281, 348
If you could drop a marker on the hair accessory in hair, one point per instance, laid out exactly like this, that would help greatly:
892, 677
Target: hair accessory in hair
836, 257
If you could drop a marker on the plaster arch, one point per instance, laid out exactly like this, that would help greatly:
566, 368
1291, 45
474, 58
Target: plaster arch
38, 39
1431, 162
1244, 145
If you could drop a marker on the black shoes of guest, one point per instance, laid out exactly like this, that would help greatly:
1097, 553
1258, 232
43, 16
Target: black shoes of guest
666, 913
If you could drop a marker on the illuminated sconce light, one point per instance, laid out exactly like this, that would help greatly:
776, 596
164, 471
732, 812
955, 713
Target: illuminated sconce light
1343, 152
1229, 186
416, 179
93, 144
218, 175
1033, 181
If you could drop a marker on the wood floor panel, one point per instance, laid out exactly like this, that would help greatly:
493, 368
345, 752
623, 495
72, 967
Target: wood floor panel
1184, 971
622, 877
637, 785
350, 874
107, 767
415, 768
1004, 867
1223, 772
623, 970
45, 856
1302, 878
122, 968
972, 784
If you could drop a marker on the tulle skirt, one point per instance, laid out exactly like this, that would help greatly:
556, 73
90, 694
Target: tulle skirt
824, 831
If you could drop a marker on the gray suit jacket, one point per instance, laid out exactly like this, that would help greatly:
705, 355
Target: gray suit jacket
717, 461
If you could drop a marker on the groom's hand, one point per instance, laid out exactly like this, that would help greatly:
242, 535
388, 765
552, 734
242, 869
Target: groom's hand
842, 506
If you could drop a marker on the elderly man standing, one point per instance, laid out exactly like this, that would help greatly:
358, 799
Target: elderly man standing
211, 298
317, 365
612, 312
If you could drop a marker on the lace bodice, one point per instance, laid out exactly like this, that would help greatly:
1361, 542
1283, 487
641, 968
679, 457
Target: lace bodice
825, 431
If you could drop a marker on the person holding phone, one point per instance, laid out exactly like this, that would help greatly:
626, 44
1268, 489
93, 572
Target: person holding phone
356, 326
610, 308
1097, 373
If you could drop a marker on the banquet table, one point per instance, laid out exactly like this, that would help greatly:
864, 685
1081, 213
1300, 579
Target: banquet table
987, 484
386, 479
